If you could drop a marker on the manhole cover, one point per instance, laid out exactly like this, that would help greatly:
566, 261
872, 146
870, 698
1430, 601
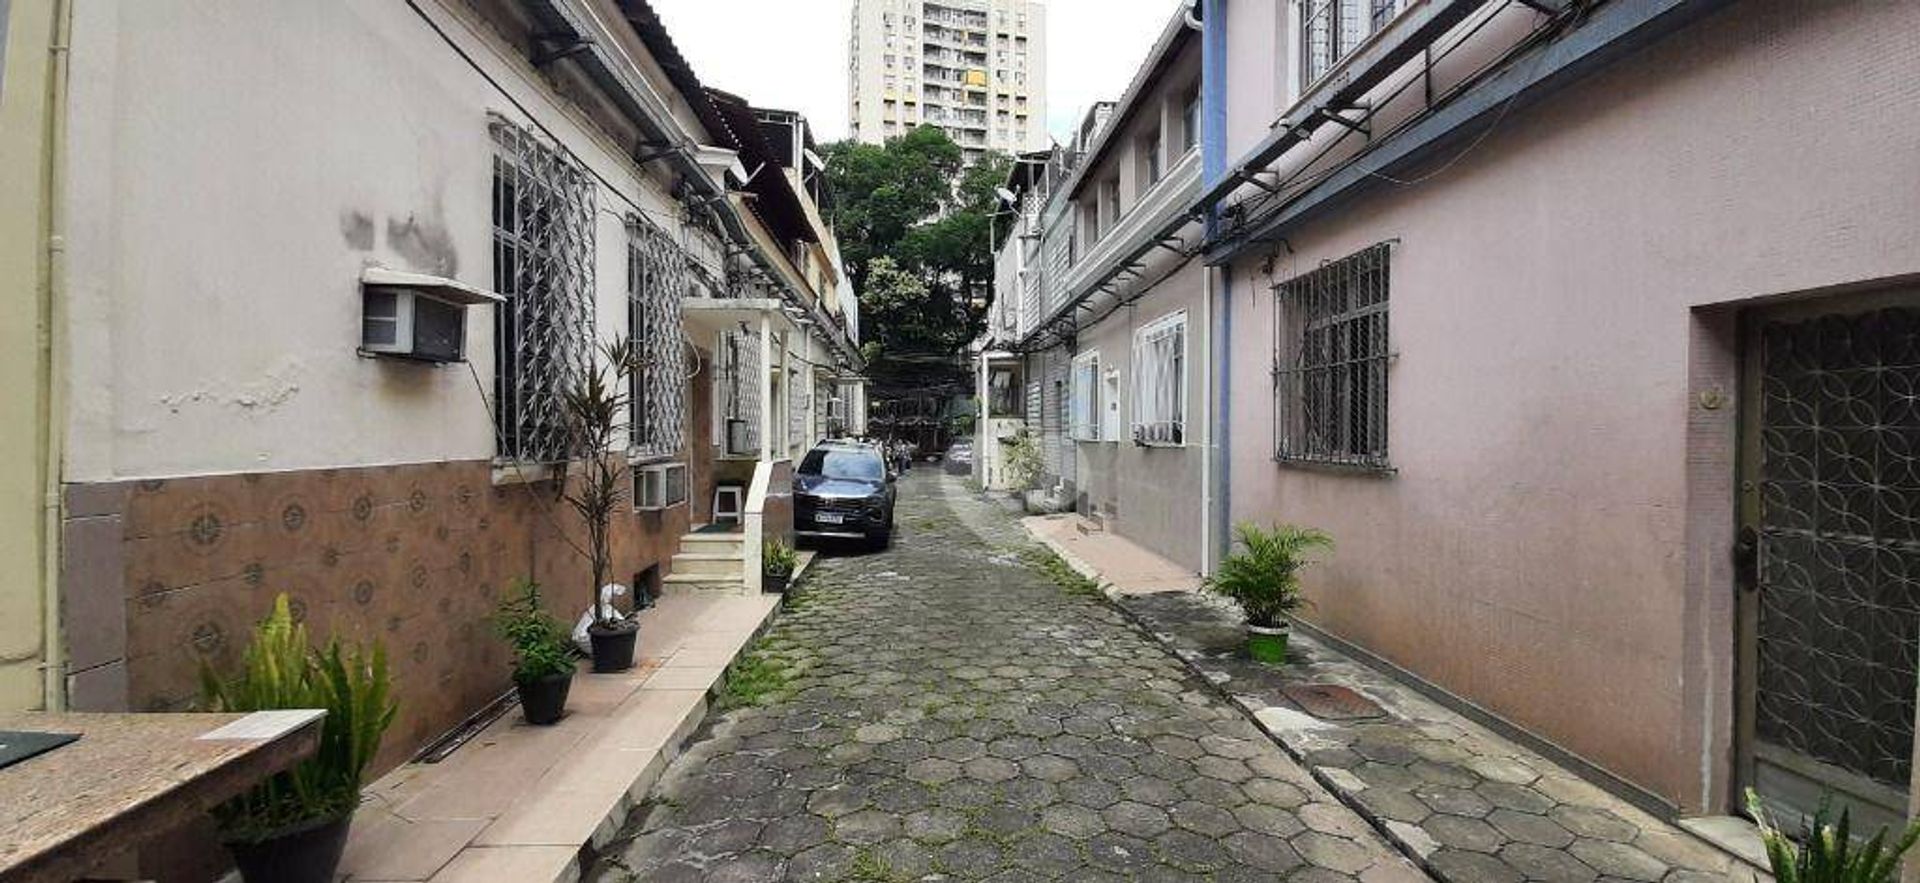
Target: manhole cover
1332, 702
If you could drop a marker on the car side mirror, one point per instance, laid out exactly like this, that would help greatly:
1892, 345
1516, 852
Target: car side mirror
892, 477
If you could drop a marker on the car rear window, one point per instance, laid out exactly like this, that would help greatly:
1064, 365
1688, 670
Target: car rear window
848, 464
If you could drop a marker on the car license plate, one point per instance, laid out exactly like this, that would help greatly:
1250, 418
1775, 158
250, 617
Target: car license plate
829, 518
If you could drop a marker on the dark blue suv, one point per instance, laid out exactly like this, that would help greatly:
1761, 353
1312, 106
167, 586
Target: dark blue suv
844, 490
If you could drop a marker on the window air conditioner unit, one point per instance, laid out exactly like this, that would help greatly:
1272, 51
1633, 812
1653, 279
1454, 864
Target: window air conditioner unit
414, 316
660, 486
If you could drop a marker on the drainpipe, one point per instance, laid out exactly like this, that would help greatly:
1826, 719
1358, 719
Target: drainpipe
1213, 165
52, 354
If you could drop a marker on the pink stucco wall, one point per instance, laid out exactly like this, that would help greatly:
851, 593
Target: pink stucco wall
1531, 554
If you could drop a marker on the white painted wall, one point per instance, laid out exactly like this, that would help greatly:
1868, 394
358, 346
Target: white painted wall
224, 156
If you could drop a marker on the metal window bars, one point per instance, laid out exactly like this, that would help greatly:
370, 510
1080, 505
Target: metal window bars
1086, 396
1331, 29
1159, 382
543, 213
737, 381
658, 277
1331, 353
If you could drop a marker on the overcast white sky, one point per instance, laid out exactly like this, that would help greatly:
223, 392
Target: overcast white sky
792, 54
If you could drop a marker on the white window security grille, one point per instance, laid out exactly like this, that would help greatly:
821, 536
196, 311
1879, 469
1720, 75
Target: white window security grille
1087, 403
1160, 381
736, 379
1330, 363
543, 212
1110, 406
799, 408
1331, 29
657, 279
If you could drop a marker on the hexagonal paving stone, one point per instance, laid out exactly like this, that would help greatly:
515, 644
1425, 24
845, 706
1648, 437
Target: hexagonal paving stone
1071, 820
1137, 819
1529, 828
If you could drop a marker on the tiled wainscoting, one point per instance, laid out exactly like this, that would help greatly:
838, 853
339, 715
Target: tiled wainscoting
160, 576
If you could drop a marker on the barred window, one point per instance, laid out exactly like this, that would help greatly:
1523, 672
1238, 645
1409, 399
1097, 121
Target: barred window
657, 278
1331, 29
1330, 363
736, 381
1086, 397
543, 266
1160, 381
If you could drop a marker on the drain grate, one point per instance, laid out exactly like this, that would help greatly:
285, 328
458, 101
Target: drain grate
1332, 702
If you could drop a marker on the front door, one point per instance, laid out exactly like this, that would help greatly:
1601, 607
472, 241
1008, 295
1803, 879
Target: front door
1830, 511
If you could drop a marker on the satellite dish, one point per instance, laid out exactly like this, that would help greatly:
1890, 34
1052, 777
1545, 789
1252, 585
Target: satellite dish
1006, 195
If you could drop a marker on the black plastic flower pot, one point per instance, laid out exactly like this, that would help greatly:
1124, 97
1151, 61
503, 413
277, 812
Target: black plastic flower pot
543, 701
305, 853
613, 644
774, 584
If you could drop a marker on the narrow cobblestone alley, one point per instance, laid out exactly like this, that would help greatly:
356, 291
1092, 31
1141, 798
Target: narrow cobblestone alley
944, 710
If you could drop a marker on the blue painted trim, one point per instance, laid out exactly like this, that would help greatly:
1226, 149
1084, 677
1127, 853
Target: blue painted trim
1213, 166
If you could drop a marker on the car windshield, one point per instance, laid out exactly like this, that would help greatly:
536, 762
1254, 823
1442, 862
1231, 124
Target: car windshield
843, 463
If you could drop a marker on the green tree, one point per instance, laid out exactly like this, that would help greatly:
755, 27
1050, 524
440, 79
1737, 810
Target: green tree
917, 231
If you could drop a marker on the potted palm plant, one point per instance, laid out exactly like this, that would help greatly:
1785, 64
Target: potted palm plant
595, 405
292, 827
1264, 579
542, 655
776, 568
1827, 852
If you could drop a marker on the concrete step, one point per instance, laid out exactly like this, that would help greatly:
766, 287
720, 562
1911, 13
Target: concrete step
712, 543
710, 563
700, 583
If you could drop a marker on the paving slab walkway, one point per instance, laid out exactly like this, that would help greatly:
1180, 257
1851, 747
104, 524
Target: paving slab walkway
1469, 804
943, 710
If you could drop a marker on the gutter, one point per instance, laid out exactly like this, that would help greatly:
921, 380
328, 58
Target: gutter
53, 355
1218, 487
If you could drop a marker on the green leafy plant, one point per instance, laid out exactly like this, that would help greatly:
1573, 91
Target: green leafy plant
1023, 461
282, 671
777, 558
594, 405
1826, 851
1264, 576
540, 646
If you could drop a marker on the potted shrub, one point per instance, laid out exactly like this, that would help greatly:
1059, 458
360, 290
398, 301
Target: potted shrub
594, 406
542, 655
1023, 467
1828, 853
776, 567
1264, 579
292, 827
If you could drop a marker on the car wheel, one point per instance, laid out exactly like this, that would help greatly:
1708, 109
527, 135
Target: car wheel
880, 541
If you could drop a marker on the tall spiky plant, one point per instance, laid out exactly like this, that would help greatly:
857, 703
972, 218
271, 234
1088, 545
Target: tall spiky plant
280, 671
594, 407
1264, 576
1826, 851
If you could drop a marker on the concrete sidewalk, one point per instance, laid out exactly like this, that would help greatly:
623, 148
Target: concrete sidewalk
519, 803
1467, 803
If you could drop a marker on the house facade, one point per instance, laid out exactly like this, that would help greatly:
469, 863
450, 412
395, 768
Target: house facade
313, 343
1588, 331
1100, 313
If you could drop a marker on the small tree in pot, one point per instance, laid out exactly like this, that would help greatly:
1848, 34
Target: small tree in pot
594, 407
1264, 579
542, 655
292, 828
776, 568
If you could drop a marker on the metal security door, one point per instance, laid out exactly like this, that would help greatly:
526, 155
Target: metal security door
1830, 637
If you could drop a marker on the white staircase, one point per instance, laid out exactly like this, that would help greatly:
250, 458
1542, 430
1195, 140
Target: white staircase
708, 562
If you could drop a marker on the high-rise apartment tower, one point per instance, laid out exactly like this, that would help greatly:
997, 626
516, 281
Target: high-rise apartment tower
975, 68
